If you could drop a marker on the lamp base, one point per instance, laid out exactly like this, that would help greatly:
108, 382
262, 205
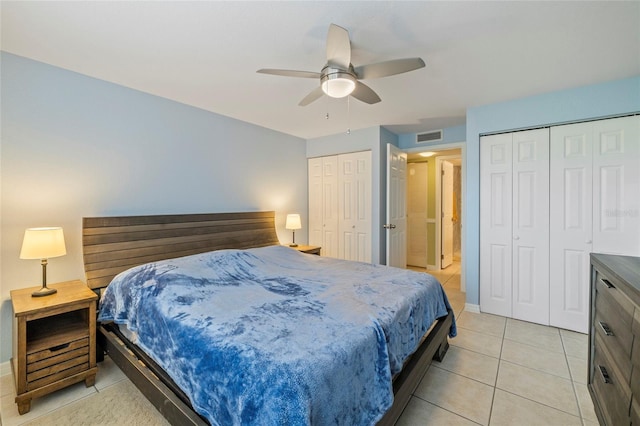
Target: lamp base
44, 291
293, 245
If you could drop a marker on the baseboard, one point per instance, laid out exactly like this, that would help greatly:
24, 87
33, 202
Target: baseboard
470, 307
5, 368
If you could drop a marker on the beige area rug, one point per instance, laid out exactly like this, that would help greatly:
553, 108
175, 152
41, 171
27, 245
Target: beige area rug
119, 404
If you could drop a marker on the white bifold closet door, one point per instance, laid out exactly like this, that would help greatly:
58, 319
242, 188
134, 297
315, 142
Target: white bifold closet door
514, 225
340, 205
354, 206
594, 207
323, 204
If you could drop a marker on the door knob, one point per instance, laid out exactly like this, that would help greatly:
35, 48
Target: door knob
516, 238
389, 226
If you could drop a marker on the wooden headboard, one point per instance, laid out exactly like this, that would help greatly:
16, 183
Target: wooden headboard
113, 244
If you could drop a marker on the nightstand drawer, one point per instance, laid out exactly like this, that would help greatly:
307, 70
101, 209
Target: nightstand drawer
59, 352
57, 372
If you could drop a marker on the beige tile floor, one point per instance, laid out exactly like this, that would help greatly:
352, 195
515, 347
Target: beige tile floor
498, 371
501, 371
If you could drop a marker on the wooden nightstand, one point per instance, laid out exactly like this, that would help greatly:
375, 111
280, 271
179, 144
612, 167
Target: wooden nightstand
308, 249
54, 340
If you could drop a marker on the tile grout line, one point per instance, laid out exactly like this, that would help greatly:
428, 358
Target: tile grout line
495, 383
573, 383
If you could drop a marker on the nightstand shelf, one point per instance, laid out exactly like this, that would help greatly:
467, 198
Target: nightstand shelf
54, 340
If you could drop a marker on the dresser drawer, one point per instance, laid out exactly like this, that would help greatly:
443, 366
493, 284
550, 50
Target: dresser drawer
615, 335
611, 389
620, 305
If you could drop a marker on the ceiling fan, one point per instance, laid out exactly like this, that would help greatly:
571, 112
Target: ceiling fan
339, 78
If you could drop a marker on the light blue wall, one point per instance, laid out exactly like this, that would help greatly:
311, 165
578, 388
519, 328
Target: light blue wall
74, 146
601, 100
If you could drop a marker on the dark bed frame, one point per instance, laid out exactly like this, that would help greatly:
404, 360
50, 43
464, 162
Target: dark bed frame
114, 244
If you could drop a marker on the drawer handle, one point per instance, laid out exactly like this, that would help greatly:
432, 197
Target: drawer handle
605, 328
607, 283
605, 375
59, 347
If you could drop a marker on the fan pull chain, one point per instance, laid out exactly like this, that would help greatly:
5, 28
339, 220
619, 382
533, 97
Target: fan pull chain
348, 115
327, 105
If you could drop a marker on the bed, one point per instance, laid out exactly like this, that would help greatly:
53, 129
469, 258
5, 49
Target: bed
320, 332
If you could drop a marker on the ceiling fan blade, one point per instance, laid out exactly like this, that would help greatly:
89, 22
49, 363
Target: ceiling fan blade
387, 68
312, 96
338, 47
289, 73
364, 93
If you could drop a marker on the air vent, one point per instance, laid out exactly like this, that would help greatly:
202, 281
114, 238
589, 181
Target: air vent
435, 135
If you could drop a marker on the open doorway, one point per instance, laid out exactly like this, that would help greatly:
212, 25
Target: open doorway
434, 206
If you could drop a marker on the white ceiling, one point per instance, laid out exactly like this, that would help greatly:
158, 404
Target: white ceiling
206, 53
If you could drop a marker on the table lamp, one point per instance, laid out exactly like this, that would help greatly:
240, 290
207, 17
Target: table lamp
293, 223
43, 243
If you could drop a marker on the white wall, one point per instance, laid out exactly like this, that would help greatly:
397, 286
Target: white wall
73, 146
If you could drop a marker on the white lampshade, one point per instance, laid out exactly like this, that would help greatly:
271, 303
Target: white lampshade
293, 222
43, 243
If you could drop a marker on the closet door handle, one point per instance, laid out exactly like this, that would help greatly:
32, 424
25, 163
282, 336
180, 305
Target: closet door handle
604, 374
605, 328
607, 283
516, 238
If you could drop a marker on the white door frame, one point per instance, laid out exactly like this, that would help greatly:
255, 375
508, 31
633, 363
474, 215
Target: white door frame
463, 190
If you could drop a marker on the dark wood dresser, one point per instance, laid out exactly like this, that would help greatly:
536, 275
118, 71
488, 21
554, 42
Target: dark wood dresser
614, 339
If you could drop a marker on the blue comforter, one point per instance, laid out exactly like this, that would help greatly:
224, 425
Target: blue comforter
271, 336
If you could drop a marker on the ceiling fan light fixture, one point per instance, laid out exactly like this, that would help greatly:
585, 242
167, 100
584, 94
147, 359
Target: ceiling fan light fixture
338, 84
